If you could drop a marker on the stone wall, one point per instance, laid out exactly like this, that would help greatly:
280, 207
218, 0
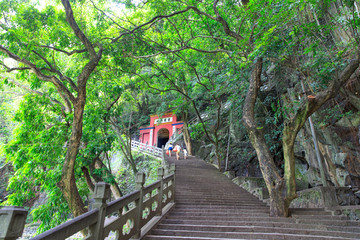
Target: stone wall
324, 197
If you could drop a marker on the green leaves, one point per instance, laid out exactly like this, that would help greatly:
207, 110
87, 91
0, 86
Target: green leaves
189, 61
36, 151
349, 3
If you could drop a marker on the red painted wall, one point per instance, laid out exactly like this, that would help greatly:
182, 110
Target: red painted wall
145, 137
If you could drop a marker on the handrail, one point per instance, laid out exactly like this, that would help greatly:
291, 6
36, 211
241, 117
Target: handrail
71, 227
119, 203
118, 215
146, 149
126, 216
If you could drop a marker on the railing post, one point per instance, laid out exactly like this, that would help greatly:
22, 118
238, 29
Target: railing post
172, 171
140, 180
167, 168
163, 155
172, 168
161, 190
12, 222
101, 194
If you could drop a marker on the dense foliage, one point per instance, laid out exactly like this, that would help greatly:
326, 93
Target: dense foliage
94, 70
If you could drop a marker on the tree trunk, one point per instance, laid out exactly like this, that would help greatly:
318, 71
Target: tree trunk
218, 153
353, 99
293, 124
90, 184
186, 133
288, 140
67, 183
125, 146
275, 184
113, 184
98, 164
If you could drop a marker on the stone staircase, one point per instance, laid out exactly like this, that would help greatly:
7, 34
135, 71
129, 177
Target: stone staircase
210, 207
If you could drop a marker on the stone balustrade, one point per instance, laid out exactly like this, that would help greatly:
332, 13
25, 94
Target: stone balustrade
130, 216
254, 185
147, 149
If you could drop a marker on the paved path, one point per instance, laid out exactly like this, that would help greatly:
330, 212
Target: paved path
210, 207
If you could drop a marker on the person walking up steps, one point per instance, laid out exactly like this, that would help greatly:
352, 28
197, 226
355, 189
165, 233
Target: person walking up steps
185, 152
178, 149
170, 149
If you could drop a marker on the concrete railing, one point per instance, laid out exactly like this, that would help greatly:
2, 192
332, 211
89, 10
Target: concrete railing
146, 149
129, 217
176, 134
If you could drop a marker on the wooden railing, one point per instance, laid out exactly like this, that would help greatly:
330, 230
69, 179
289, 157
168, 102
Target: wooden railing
147, 149
129, 217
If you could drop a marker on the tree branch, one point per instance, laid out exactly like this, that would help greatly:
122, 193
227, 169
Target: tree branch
219, 19
113, 102
95, 57
75, 27
226, 27
150, 22
63, 51
210, 51
312, 105
13, 69
52, 69
212, 37
161, 52
58, 84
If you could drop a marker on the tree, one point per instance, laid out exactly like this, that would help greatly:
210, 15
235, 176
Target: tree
197, 48
59, 56
262, 35
34, 49
283, 189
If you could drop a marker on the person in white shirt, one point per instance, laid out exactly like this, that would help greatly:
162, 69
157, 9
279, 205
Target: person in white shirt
178, 149
185, 152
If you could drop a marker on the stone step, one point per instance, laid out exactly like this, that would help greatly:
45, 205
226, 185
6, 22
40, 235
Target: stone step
289, 224
249, 214
219, 190
220, 200
205, 207
329, 222
155, 237
155, 234
223, 211
225, 204
262, 229
235, 189
207, 214
306, 209
206, 198
255, 216
217, 195
222, 218
212, 207
319, 217
201, 202
309, 212
189, 192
